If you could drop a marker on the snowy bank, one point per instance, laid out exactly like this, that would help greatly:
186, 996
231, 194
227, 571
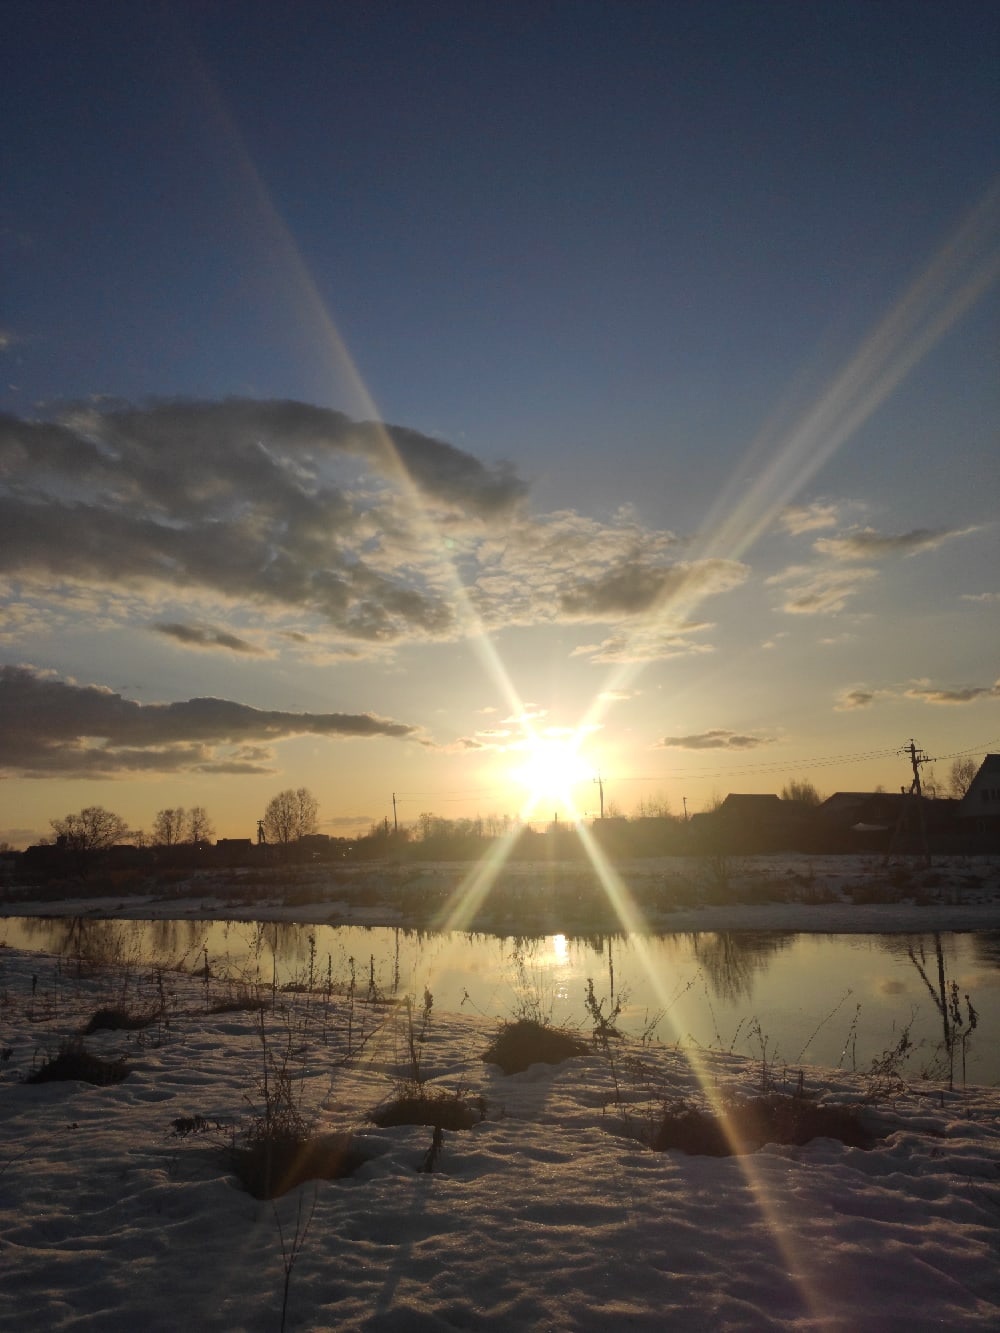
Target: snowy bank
544, 1215
828, 894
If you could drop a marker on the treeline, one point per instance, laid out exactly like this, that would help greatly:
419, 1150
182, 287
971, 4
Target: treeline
288, 830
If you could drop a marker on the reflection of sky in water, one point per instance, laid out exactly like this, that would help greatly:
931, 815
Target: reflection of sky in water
804, 990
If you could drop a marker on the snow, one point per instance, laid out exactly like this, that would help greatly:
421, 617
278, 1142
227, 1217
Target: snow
830, 894
545, 1215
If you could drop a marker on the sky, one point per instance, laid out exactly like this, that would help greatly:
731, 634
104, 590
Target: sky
469, 402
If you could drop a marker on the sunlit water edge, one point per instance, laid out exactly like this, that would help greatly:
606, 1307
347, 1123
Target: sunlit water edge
792, 999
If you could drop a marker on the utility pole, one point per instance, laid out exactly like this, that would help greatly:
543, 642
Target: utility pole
395, 821
917, 757
600, 787
915, 799
685, 800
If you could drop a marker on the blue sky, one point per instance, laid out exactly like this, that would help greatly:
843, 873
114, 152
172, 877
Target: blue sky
685, 317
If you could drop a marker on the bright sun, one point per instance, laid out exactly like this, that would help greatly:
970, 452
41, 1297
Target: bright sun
550, 769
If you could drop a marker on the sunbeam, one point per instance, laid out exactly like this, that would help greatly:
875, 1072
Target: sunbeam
786, 455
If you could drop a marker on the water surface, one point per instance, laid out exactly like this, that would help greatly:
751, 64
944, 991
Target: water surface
835, 1000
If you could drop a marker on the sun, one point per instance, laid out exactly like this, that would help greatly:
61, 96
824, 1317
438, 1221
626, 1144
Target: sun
549, 769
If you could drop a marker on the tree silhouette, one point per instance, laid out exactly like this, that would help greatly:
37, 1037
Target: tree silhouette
168, 826
960, 776
801, 789
93, 829
199, 826
290, 815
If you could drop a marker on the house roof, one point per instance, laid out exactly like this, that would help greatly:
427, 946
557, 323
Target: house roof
983, 796
846, 803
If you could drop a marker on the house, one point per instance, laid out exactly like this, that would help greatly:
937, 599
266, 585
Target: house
978, 812
753, 822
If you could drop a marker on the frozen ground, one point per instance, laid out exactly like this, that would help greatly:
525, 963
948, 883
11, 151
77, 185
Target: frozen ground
542, 1216
826, 894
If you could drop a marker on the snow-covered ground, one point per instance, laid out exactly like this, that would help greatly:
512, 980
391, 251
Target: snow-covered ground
543, 1216
825, 894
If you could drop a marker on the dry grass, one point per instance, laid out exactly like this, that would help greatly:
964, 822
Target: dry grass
526, 1042
416, 1104
74, 1061
744, 1125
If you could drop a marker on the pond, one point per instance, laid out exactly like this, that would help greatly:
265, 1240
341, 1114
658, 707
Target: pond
833, 1000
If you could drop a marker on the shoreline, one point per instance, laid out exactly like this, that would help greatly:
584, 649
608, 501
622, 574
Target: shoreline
794, 893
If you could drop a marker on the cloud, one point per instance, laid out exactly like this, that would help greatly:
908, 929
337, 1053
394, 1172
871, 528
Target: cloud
635, 587
339, 537
55, 728
867, 544
797, 519
820, 591
932, 694
714, 740
859, 697
922, 690
980, 597
644, 644
206, 636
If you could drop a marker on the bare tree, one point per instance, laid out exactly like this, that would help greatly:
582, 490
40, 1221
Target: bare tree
93, 829
960, 776
290, 815
199, 826
653, 807
168, 826
802, 790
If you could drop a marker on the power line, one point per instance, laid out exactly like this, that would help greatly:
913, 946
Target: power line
730, 770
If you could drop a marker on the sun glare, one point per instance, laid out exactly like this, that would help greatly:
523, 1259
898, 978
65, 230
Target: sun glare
550, 769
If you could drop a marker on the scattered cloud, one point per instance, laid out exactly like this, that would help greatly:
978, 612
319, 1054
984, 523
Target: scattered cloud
867, 544
814, 591
207, 636
714, 740
633, 588
53, 727
797, 519
980, 597
530, 713
932, 694
647, 641
922, 690
297, 513
858, 697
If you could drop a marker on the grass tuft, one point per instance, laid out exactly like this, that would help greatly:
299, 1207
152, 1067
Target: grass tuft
744, 1125
119, 1020
268, 1167
74, 1061
526, 1042
416, 1104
